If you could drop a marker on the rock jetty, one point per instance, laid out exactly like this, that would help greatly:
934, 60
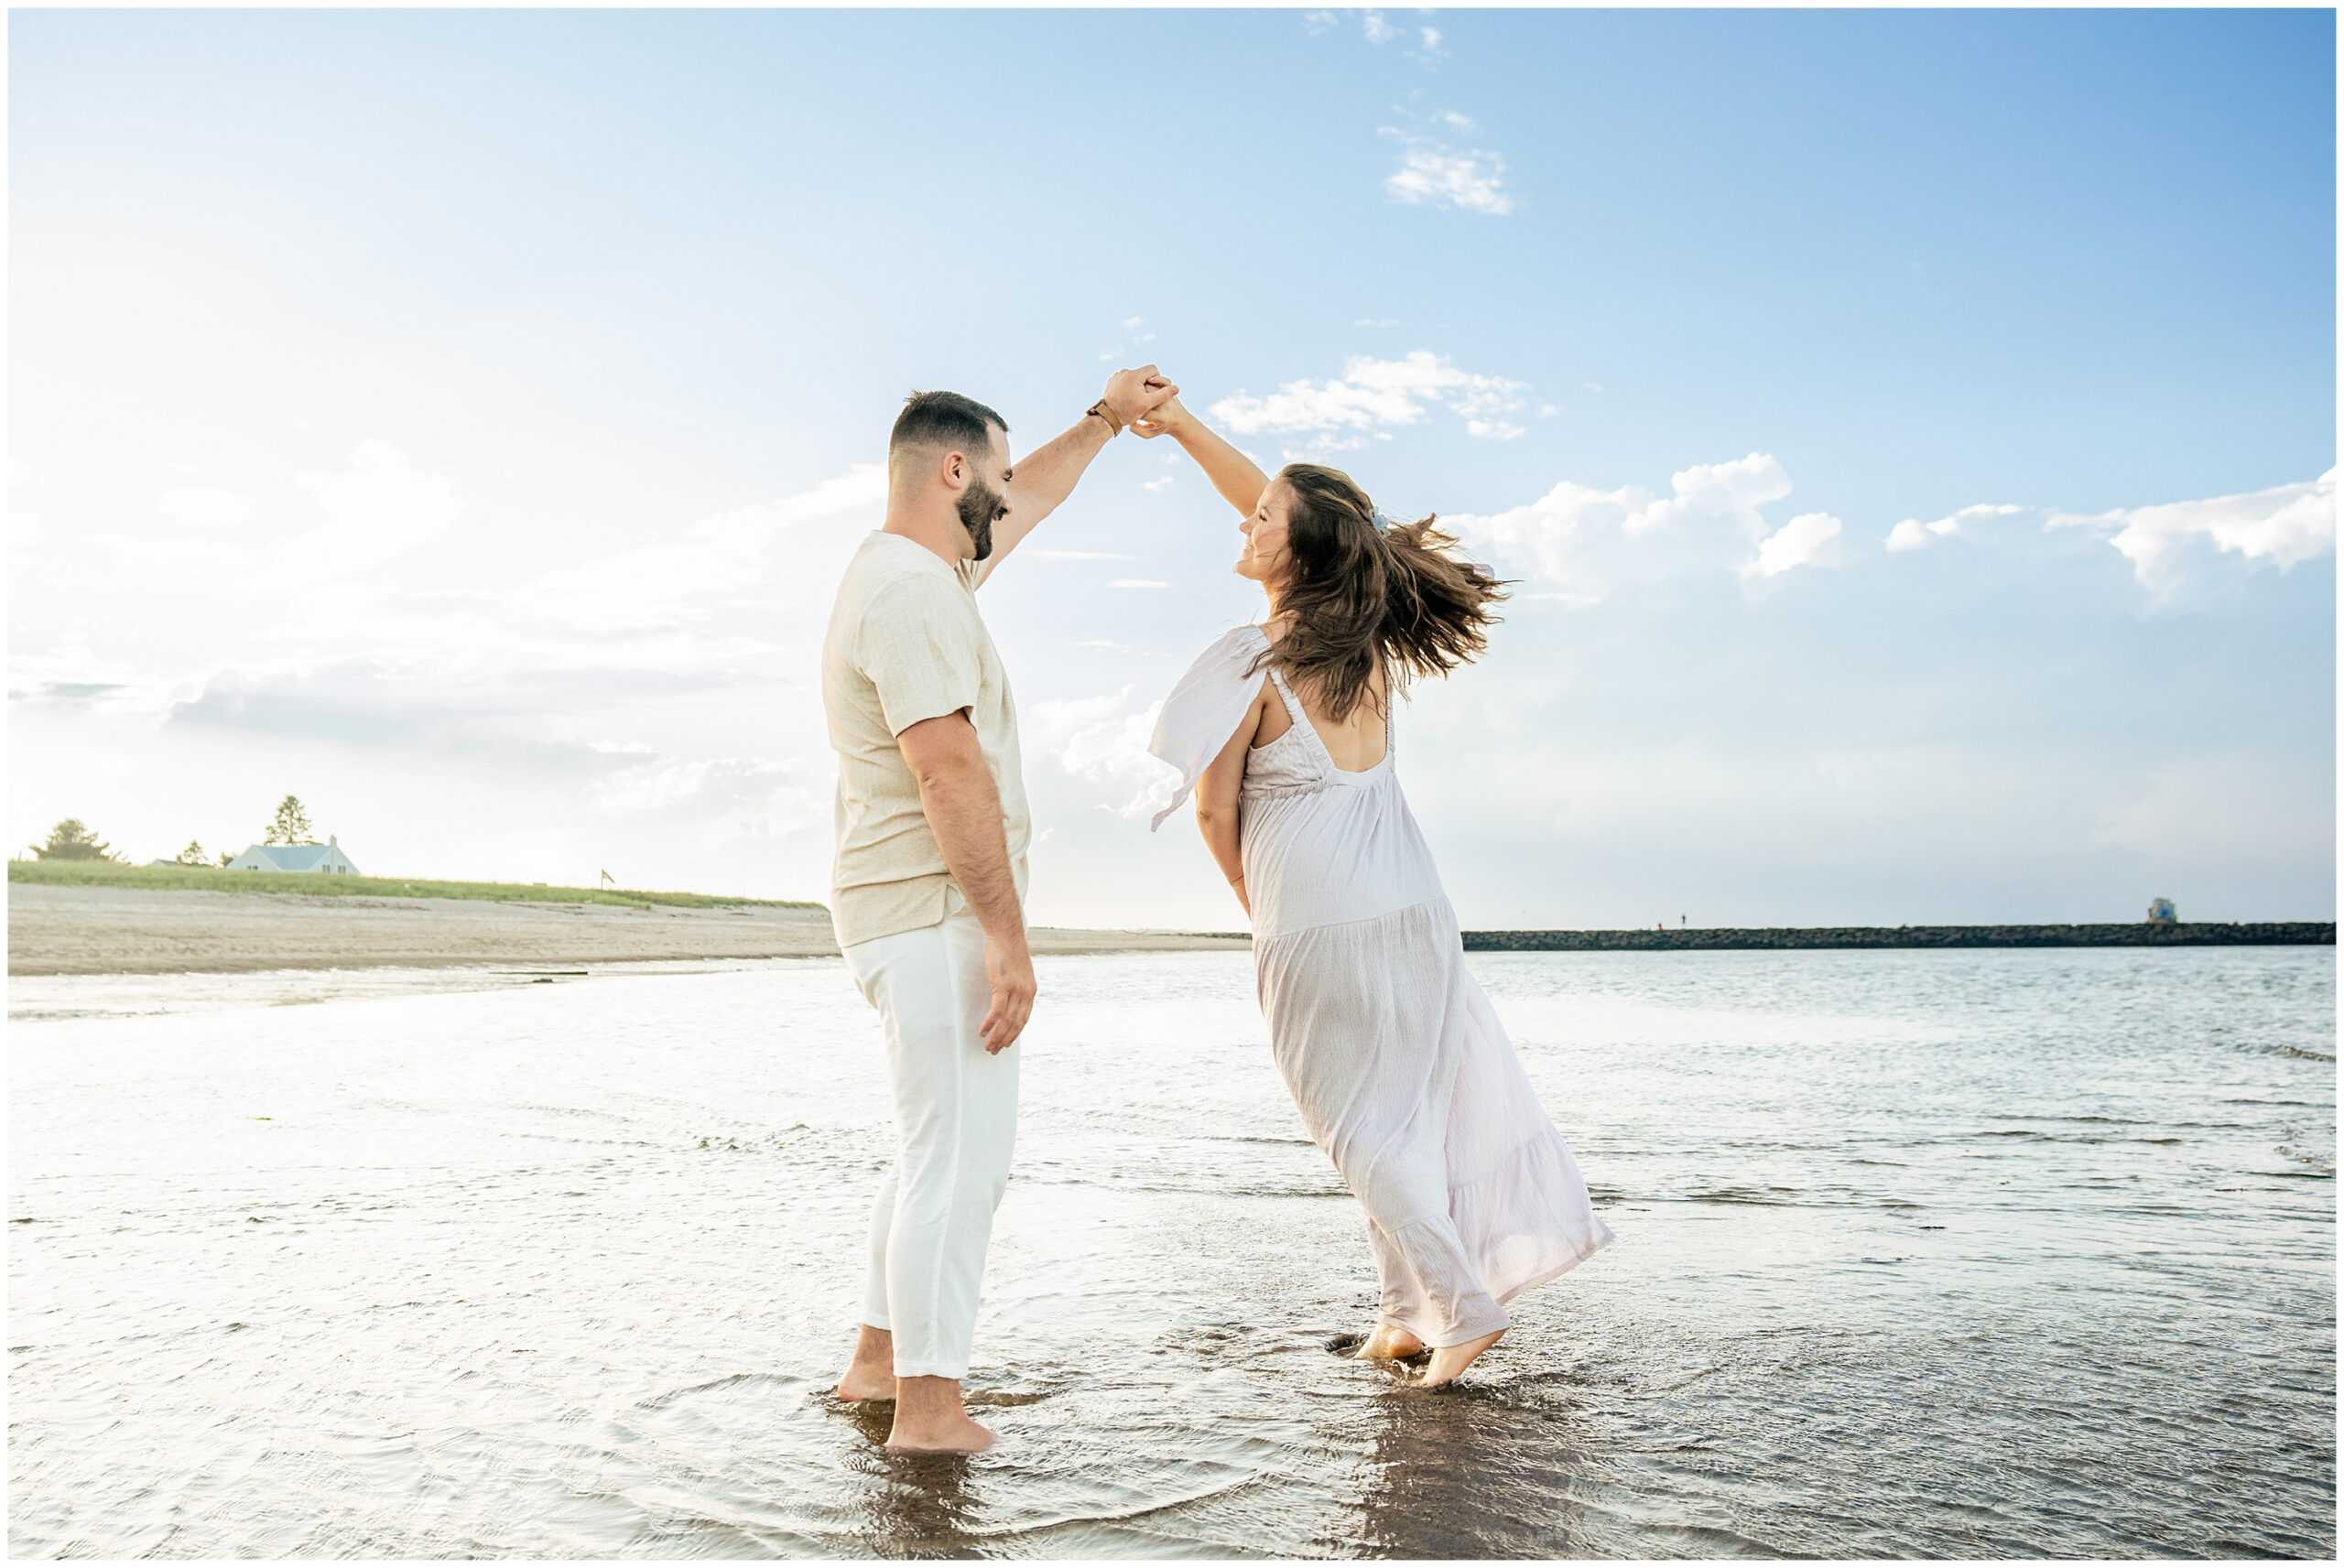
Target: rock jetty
2134, 934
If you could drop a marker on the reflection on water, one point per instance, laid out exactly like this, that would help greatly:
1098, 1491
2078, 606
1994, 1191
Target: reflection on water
1948, 1254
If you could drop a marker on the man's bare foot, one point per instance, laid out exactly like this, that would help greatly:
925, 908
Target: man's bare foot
1389, 1343
1450, 1361
930, 1419
860, 1384
871, 1375
944, 1434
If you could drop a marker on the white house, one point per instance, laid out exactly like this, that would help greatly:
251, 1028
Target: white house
326, 857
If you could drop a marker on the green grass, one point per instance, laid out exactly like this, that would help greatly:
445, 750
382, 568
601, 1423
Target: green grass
104, 874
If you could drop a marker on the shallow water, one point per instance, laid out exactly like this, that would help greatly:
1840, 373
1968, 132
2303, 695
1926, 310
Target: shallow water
1921, 1253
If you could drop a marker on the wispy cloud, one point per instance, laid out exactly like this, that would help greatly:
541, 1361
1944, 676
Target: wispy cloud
1492, 430
1373, 395
652, 584
1432, 173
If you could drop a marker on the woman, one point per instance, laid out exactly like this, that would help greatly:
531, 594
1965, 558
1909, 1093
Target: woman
1397, 1061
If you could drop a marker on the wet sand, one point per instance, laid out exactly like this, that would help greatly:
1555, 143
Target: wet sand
131, 931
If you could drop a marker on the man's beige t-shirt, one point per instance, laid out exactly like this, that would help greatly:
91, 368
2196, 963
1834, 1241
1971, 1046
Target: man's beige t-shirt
905, 643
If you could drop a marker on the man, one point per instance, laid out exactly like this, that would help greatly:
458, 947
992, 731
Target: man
929, 888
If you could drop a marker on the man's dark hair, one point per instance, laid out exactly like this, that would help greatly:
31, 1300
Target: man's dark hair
944, 419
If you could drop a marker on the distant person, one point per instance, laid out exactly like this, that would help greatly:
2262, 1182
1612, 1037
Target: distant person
1394, 1055
928, 885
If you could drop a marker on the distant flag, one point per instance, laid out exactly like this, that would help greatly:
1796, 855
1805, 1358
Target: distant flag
608, 880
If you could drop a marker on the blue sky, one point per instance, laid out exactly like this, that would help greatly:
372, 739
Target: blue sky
459, 419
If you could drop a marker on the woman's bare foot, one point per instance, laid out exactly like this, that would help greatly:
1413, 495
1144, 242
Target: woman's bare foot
1450, 1361
943, 1434
1389, 1343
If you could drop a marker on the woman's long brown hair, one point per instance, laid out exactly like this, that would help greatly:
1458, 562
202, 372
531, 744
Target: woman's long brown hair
1358, 599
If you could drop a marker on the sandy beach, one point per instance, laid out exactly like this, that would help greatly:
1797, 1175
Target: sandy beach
132, 931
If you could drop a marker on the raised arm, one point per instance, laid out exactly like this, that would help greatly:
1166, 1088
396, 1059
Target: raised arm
1232, 471
1045, 476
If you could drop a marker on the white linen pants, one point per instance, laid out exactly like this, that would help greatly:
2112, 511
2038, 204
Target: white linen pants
956, 1122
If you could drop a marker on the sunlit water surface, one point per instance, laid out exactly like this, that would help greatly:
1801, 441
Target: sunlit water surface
1949, 1253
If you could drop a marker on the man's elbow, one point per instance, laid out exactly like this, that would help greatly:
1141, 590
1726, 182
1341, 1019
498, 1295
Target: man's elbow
946, 770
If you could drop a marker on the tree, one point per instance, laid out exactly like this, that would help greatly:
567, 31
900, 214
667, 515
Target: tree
292, 824
69, 840
193, 855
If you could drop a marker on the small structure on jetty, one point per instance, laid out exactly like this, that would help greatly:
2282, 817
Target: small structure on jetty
2161, 912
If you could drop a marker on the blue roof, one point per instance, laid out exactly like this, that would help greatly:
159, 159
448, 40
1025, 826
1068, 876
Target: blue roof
291, 856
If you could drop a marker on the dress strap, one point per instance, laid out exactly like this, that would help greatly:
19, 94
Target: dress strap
1301, 719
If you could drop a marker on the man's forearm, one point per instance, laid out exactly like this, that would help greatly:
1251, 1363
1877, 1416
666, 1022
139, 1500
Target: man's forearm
1042, 478
963, 810
1045, 476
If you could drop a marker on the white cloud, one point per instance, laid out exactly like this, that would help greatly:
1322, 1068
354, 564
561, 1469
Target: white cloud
1375, 321
1094, 739
1157, 485
1581, 544
1316, 22
1493, 430
1038, 554
660, 584
1134, 323
1911, 533
2283, 525
1377, 29
1802, 541
1431, 173
201, 507
1371, 394
1429, 45
1137, 582
378, 507
760, 796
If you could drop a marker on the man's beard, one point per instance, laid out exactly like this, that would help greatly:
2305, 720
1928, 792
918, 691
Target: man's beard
979, 507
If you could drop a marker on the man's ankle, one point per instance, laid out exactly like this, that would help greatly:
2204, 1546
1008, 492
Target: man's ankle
929, 1400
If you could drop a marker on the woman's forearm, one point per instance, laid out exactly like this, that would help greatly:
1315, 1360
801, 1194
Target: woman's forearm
1232, 471
1218, 822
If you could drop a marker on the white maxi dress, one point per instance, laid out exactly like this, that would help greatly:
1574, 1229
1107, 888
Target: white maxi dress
1401, 1072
